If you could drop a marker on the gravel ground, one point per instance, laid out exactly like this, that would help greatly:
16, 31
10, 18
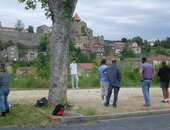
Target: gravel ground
130, 99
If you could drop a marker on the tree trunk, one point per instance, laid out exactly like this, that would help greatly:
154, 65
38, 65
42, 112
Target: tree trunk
59, 47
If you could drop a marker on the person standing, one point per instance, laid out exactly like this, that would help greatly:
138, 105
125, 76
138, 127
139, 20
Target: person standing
104, 82
163, 74
73, 70
4, 90
146, 75
114, 75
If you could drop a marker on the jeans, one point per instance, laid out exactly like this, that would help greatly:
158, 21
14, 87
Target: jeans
72, 80
116, 92
4, 92
145, 88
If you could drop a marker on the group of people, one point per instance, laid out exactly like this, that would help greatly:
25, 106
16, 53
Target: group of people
4, 90
110, 78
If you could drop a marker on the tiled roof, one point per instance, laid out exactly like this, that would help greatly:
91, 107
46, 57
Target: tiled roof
108, 57
160, 57
120, 43
76, 17
13, 28
86, 66
110, 44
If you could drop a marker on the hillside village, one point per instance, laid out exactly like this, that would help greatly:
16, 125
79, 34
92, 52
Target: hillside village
83, 38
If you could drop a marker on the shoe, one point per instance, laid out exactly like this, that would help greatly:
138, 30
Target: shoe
114, 105
7, 111
106, 105
164, 101
146, 105
3, 114
103, 102
78, 88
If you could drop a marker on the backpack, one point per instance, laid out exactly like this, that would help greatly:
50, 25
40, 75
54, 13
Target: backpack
42, 102
59, 110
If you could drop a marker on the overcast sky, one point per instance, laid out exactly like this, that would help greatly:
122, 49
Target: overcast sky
113, 19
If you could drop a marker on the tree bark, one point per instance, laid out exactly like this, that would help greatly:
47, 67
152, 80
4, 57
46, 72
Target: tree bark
59, 47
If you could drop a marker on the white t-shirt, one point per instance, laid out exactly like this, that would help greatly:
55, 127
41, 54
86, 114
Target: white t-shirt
73, 68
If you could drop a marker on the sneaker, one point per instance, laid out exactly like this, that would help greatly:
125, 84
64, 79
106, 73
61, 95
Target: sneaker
102, 102
78, 88
146, 105
165, 101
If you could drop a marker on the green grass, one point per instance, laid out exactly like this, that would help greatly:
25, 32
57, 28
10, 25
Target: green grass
26, 115
87, 111
28, 80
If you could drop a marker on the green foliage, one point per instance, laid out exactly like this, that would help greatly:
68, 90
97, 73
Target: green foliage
163, 43
17, 64
44, 41
19, 25
42, 64
160, 51
127, 52
30, 29
79, 55
137, 39
28, 81
124, 40
87, 111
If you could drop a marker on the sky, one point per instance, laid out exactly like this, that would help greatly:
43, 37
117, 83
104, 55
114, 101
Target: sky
114, 19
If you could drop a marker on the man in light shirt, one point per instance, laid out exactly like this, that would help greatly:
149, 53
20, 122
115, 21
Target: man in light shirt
73, 70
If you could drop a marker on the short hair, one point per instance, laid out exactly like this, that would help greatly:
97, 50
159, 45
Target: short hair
74, 59
114, 61
163, 62
3, 66
143, 59
103, 61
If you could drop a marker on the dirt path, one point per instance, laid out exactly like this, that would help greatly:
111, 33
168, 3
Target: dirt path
130, 99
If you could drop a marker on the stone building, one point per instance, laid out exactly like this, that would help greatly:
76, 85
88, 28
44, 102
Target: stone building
114, 49
80, 32
43, 29
31, 54
12, 53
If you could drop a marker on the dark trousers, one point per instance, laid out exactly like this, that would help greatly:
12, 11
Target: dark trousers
116, 92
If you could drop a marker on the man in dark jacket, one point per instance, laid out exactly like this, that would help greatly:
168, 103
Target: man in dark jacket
114, 75
164, 72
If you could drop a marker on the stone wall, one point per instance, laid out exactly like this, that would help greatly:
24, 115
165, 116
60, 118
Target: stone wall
29, 39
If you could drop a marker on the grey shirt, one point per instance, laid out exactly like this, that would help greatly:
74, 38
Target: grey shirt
147, 71
114, 75
4, 79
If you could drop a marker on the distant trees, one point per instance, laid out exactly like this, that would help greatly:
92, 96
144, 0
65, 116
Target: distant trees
44, 41
137, 39
30, 29
19, 25
163, 43
124, 39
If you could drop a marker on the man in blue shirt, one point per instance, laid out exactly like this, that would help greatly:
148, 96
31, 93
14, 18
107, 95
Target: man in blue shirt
104, 82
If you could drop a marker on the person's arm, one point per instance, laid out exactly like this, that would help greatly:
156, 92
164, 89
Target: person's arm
119, 74
105, 71
154, 73
141, 73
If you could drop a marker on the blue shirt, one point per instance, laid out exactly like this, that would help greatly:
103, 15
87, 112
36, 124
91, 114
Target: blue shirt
103, 77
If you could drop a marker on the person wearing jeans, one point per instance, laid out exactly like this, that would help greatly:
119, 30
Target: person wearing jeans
73, 70
114, 75
146, 75
4, 90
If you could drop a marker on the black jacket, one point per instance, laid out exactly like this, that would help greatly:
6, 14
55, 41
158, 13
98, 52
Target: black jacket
164, 73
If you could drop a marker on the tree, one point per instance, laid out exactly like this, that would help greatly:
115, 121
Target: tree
124, 39
127, 52
61, 12
19, 25
30, 29
137, 39
44, 41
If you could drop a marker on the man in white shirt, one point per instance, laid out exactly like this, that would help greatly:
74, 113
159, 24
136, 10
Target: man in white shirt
73, 70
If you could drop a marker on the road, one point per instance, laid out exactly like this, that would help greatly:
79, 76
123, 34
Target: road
159, 122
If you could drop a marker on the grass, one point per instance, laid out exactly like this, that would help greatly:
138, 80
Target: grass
87, 111
26, 115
